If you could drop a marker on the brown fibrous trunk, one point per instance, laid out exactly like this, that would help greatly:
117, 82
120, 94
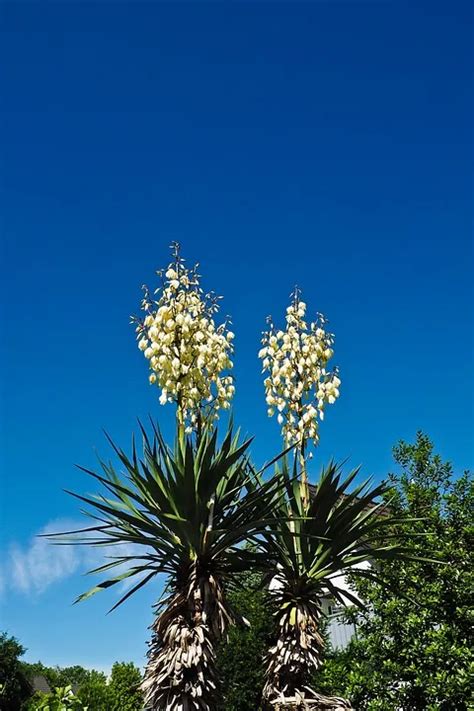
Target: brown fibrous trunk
292, 660
181, 670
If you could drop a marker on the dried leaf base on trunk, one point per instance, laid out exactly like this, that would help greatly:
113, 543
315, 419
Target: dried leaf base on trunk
291, 660
181, 671
308, 700
180, 675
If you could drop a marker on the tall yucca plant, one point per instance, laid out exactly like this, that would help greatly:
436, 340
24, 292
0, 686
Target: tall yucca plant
317, 534
309, 546
188, 509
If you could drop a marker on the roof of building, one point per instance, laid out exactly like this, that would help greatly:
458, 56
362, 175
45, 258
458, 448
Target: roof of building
40, 683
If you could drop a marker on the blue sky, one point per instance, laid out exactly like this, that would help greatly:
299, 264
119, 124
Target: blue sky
322, 143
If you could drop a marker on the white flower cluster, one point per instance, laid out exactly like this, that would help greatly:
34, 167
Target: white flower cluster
186, 352
298, 385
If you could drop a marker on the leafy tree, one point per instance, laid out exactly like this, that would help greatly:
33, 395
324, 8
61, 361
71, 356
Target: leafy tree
124, 688
75, 676
240, 658
90, 685
15, 688
61, 699
413, 648
94, 692
33, 702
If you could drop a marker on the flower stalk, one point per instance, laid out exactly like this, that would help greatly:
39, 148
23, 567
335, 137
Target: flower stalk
299, 385
189, 356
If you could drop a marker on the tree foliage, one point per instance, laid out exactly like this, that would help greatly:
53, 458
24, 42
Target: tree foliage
75, 676
14, 685
240, 658
94, 692
413, 646
60, 699
85, 688
124, 688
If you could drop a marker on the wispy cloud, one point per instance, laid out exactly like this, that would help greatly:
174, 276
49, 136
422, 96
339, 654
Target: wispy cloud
40, 564
33, 568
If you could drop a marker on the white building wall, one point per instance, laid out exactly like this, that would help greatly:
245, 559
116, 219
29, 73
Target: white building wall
340, 633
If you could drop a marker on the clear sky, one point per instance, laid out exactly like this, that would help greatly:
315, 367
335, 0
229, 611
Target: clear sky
321, 143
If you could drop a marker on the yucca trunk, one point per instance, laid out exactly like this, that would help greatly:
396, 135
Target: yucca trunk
181, 670
293, 659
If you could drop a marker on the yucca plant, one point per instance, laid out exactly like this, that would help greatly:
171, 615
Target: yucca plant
319, 532
188, 509
309, 547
